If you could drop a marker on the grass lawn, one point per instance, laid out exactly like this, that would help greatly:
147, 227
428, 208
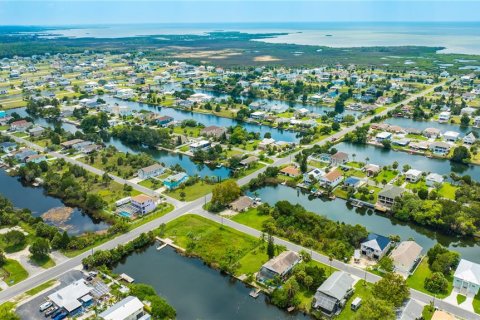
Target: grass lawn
363, 290
427, 312
251, 218
192, 192
476, 303
417, 280
41, 287
447, 191
253, 261
388, 175
14, 272
341, 193
417, 185
213, 243
161, 210
461, 298
44, 262
151, 183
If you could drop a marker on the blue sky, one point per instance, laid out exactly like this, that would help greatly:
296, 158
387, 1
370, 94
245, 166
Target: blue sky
64, 12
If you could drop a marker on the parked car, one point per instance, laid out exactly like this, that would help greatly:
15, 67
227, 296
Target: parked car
50, 311
61, 316
45, 306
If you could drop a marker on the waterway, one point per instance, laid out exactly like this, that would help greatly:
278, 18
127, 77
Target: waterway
385, 157
340, 210
195, 290
422, 125
34, 199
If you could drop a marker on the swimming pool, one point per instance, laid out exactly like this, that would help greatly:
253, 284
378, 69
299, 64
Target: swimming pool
125, 214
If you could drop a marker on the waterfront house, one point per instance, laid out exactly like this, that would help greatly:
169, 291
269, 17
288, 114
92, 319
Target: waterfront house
469, 139
332, 179
290, 171
440, 148
476, 121
372, 169
143, 204
375, 246
130, 308
243, 203
302, 112
413, 175
164, 121
20, 125
334, 292
36, 131
279, 266
125, 94
433, 178
405, 256
315, 174
213, 131
451, 136
412, 310
70, 143
466, 278
200, 145
8, 146
339, 158
431, 133
36, 158
258, 115
151, 171
23, 154
444, 116
387, 196
265, 143
174, 181
72, 297
382, 136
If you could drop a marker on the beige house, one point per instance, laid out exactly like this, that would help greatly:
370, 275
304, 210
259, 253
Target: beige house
405, 256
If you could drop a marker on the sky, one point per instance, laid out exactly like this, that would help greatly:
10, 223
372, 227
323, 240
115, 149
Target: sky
65, 12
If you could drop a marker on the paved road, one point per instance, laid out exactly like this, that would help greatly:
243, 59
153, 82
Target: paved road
196, 208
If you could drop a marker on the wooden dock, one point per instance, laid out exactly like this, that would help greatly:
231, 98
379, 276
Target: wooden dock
254, 293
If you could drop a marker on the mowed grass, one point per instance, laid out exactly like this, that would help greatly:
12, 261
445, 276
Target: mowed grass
14, 272
211, 241
447, 191
41, 287
192, 192
251, 218
43, 262
416, 281
363, 290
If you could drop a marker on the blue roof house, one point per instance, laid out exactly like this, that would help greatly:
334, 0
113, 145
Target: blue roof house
352, 182
7, 146
174, 181
375, 246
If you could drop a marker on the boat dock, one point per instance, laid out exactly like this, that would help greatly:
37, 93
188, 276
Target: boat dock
254, 293
167, 242
125, 277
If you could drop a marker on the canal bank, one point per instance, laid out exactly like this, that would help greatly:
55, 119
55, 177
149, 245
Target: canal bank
195, 290
339, 210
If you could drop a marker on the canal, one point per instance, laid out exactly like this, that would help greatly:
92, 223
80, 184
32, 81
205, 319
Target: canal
195, 290
340, 210
34, 199
383, 157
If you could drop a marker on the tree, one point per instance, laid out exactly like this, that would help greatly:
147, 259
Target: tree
160, 309
436, 283
392, 288
3, 259
423, 193
225, 192
339, 106
460, 155
270, 247
440, 259
465, 120
40, 248
387, 144
94, 202
15, 240
386, 264
375, 309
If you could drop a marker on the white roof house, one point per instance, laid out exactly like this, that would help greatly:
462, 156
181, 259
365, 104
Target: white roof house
451, 136
413, 175
433, 178
467, 277
469, 138
405, 256
69, 296
128, 308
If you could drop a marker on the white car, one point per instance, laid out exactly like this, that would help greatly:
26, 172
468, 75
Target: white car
45, 306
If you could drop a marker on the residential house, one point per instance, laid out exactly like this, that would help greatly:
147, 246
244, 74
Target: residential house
72, 297
213, 131
290, 171
339, 158
36, 131
23, 154
302, 112
248, 161
316, 174
243, 203
382, 136
20, 125
130, 308
352, 182
405, 256
332, 179
70, 143
440, 148
8, 146
265, 143
431, 133
279, 266
143, 204
412, 311
375, 246
36, 158
433, 178
200, 145
151, 171
466, 278
469, 139
451, 136
444, 116
334, 292
174, 181
476, 121
258, 115
413, 175
371, 169
387, 196
164, 121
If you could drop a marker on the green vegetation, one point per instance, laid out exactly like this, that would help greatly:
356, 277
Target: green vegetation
363, 290
427, 312
13, 272
252, 218
191, 192
461, 298
42, 261
417, 280
7, 311
158, 308
41, 287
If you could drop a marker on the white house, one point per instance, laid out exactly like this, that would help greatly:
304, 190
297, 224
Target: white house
383, 136
469, 138
143, 203
413, 175
375, 246
332, 179
451, 136
130, 308
433, 178
316, 174
150, 171
467, 277
200, 145
444, 116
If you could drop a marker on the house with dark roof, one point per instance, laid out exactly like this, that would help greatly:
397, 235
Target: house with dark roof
7, 146
387, 196
332, 295
279, 266
339, 158
375, 246
213, 131
151, 171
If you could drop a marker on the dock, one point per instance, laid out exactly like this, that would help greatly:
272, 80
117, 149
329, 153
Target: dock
125, 277
254, 293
